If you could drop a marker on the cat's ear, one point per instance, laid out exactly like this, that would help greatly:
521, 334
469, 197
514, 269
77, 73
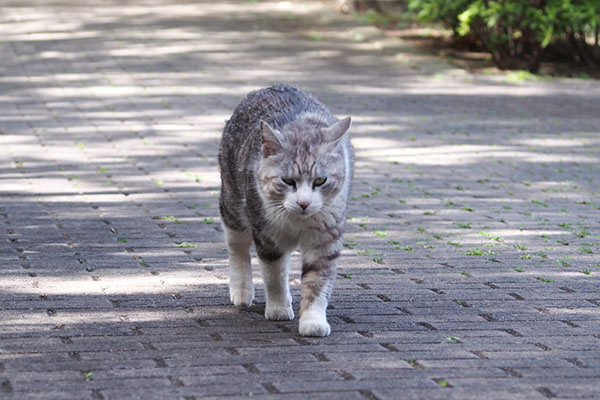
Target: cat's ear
272, 140
336, 131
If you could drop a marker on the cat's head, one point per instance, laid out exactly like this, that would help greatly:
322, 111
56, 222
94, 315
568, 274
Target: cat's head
302, 168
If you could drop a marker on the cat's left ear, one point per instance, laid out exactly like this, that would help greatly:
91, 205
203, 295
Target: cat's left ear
336, 131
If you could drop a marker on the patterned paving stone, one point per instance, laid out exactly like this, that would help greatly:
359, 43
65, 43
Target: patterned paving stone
470, 266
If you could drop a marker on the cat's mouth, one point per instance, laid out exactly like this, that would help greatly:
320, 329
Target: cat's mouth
306, 213
302, 213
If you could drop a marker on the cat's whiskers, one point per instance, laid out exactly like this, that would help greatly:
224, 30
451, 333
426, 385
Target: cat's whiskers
277, 213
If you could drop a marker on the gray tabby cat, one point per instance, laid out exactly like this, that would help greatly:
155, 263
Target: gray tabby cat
286, 168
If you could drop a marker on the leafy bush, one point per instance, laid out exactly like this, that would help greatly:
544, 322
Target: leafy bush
518, 33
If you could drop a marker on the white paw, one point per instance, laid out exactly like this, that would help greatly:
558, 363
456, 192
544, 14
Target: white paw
241, 296
314, 326
279, 313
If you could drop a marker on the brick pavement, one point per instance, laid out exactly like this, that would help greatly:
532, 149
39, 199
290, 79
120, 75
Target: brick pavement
470, 267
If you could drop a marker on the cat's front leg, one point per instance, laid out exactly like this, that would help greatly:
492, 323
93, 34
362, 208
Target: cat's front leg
241, 288
277, 289
318, 274
274, 265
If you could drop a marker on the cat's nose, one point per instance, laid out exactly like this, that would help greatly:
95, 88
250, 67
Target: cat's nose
303, 204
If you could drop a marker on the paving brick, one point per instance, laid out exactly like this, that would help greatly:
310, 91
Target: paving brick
470, 268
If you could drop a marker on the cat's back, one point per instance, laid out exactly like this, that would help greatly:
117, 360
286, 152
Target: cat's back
276, 105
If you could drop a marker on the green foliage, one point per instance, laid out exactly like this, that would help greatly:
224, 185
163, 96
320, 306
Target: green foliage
518, 32
443, 11
186, 245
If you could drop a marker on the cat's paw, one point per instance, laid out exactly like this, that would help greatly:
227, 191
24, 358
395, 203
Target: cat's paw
314, 326
279, 313
241, 296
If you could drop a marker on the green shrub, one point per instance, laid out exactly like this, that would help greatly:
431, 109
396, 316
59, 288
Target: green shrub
518, 33
445, 12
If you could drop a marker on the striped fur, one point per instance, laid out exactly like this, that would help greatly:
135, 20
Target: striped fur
276, 136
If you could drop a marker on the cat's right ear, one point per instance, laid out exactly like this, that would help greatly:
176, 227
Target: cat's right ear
272, 141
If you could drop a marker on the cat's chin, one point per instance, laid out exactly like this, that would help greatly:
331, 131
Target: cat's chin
305, 216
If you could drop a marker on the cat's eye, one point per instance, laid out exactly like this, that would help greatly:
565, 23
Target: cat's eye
289, 181
319, 181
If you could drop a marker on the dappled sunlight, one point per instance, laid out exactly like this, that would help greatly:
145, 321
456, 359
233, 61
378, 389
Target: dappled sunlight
117, 91
116, 284
579, 311
591, 140
379, 149
472, 223
98, 317
52, 36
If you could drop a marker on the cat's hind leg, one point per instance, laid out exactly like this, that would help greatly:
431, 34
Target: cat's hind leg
241, 288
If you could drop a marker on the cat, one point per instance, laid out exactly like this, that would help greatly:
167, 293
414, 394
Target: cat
286, 170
